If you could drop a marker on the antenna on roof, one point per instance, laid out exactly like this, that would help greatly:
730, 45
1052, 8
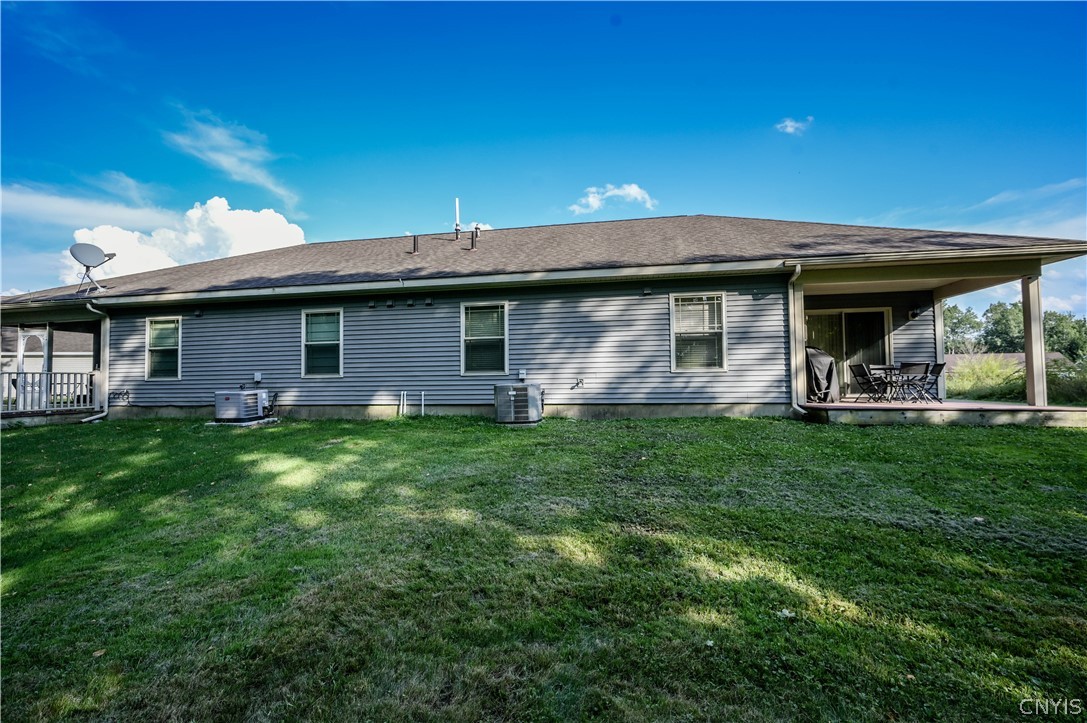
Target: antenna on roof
456, 225
91, 257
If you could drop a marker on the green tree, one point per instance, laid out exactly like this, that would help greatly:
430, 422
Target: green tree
1066, 334
961, 329
1002, 328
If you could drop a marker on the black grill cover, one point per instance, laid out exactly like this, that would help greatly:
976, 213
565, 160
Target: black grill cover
822, 376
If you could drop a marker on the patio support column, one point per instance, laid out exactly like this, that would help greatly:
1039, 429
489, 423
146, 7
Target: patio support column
1034, 341
101, 373
798, 339
938, 313
46, 384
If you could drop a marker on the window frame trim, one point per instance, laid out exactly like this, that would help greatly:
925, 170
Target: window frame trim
505, 338
147, 348
340, 342
672, 332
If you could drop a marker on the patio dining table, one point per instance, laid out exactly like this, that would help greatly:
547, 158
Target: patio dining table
905, 382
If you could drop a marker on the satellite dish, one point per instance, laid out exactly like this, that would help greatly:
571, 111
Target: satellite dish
91, 257
88, 254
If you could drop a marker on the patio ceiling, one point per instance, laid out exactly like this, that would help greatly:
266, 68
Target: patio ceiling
945, 279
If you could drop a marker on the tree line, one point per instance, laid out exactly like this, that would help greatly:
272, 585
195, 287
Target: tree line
1000, 329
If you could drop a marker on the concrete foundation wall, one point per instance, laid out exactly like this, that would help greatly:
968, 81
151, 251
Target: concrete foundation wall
936, 416
36, 419
385, 411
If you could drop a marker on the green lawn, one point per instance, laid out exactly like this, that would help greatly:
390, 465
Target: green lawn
453, 569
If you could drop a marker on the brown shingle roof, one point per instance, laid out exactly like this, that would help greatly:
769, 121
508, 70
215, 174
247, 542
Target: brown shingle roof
578, 246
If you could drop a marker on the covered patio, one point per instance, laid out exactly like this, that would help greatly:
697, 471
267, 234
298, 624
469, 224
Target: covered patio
888, 310
39, 382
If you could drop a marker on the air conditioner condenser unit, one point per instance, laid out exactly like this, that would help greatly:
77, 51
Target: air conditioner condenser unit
518, 403
245, 405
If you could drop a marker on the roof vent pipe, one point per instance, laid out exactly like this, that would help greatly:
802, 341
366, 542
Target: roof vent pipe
415, 245
475, 237
456, 224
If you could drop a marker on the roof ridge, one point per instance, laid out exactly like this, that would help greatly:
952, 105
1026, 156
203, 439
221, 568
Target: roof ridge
519, 228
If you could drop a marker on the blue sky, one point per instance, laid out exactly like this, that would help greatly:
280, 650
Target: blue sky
178, 132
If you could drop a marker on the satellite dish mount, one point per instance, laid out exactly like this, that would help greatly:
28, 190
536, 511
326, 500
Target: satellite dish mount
91, 257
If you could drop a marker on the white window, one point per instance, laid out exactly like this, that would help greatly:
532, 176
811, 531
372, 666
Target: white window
484, 328
322, 348
163, 348
698, 331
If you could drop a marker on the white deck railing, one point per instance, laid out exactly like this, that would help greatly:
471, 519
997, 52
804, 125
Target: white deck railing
46, 391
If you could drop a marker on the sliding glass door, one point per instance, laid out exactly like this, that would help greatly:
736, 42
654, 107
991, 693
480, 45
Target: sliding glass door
851, 337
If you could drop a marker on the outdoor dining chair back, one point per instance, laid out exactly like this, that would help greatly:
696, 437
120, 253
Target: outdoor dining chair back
910, 381
873, 387
931, 388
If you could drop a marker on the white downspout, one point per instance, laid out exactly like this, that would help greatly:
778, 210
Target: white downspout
794, 353
104, 352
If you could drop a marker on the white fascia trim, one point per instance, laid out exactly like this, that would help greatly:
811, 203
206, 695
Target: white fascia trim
453, 282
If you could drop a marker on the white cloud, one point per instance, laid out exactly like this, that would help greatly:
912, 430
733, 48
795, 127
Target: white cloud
1032, 194
1046, 223
207, 231
123, 186
594, 197
1055, 210
794, 127
12, 292
1072, 303
64, 34
134, 254
51, 208
240, 152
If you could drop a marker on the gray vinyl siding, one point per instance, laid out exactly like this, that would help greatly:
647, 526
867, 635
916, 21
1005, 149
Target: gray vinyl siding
613, 337
912, 340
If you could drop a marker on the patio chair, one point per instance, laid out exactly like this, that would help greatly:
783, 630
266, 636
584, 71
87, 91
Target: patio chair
930, 387
873, 387
911, 380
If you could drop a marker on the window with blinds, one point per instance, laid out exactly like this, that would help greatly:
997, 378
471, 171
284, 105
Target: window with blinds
698, 329
321, 342
164, 348
483, 347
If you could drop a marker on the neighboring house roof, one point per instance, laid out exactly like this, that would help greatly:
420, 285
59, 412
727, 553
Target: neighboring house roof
607, 245
64, 342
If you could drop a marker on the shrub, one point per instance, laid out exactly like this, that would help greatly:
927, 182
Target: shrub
983, 376
994, 378
1067, 381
